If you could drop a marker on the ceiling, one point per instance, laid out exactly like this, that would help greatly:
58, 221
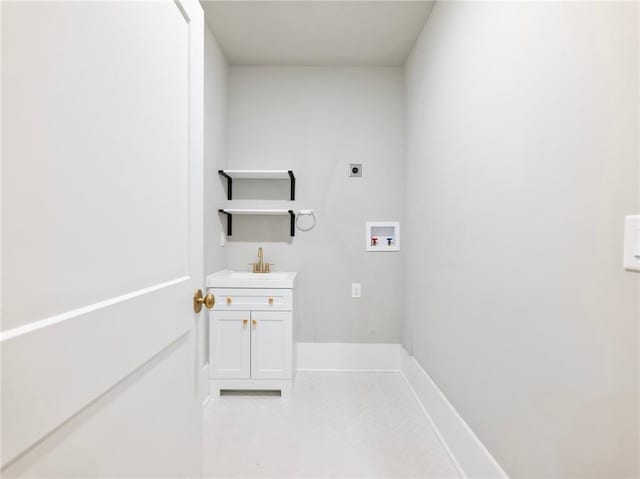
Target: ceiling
306, 32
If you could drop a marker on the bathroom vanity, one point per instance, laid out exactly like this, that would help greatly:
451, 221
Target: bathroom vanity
252, 331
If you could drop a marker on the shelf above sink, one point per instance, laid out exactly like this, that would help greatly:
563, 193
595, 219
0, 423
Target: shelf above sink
255, 211
258, 212
230, 175
258, 174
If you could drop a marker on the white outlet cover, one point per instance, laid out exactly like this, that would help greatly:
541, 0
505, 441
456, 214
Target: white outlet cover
632, 243
355, 170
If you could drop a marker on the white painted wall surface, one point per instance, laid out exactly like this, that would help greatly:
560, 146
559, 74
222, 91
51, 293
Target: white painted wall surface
316, 121
215, 141
522, 162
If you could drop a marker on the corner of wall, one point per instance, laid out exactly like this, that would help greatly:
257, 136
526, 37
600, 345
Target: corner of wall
215, 132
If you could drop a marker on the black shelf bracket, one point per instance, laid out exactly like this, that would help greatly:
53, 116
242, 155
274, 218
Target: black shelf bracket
229, 220
293, 187
292, 217
229, 184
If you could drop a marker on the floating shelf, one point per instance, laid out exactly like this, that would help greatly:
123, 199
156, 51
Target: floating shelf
230, 175
257, 212
254, 211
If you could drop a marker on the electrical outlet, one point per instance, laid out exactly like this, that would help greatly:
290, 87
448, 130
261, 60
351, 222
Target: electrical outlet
355, 169
632, 243
356, 290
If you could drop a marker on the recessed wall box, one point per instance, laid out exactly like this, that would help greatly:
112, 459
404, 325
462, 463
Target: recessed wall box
383, 236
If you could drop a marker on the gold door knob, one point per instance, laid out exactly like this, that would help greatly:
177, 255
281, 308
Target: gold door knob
198, 300
228, 299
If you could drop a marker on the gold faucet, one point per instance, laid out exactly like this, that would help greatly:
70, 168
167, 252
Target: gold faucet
261, 266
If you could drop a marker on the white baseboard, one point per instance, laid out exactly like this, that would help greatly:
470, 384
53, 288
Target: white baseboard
469, 454
348, 357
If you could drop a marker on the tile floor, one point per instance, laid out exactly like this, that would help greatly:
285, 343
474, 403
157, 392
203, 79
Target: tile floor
365, 425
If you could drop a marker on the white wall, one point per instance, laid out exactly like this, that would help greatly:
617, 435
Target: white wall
522, 161
215, 138
316, 121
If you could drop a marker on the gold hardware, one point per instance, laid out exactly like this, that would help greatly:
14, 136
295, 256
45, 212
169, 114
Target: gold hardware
255, 322
261, 266
228, 299
209, 300
270, 300
244, 322
198, 300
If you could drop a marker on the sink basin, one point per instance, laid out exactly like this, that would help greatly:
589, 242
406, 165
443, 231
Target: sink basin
257, 276
245, 279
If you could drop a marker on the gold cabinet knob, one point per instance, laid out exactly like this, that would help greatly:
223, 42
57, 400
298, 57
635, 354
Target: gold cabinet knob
228, 299
198, 300
255, 322
244, 322
270, 300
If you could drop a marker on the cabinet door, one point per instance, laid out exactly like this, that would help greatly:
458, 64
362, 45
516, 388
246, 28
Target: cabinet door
271, 345
229, 344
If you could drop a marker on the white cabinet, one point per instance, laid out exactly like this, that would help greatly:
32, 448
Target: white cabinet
251, 340
230, 344
271, 345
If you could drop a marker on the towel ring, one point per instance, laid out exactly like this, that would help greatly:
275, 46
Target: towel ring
305, 213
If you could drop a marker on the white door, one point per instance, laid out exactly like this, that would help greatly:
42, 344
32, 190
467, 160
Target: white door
101, 238
271, 340
230, 340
